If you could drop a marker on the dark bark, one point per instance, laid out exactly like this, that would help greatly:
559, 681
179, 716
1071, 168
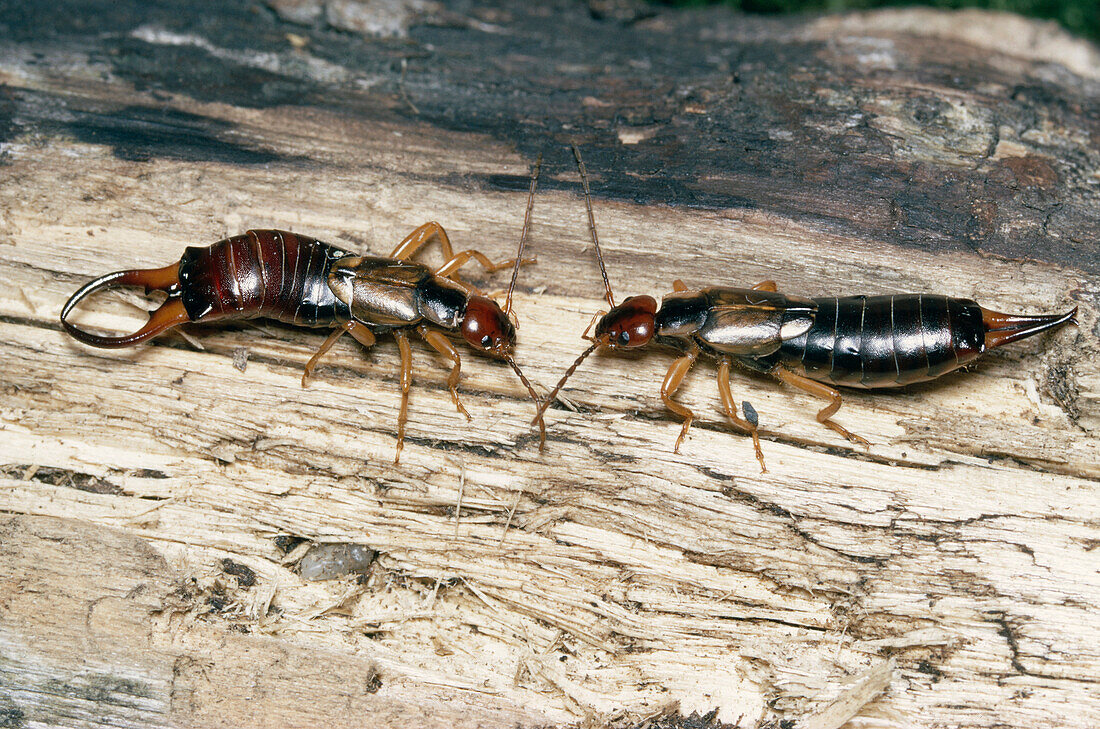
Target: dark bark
895, 140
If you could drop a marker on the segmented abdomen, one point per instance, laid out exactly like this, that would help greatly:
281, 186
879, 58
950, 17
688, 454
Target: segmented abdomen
262, 273
886, 341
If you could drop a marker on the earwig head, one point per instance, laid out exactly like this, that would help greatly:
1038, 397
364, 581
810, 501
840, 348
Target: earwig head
486, 327
628, 325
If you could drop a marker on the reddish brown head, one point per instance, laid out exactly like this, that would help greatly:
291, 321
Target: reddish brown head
628, 325
486, 327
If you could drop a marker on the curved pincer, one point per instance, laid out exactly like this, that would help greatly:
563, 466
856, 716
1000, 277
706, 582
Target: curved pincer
171, 313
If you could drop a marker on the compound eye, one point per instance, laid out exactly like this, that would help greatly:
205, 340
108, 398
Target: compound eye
624, 338
486, 342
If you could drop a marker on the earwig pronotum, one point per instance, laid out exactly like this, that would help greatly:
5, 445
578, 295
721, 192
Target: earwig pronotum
302, 281
811, 344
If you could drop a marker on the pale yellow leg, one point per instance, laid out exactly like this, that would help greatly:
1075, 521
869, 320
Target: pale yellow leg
406, 383
427, 232
820, 389
460, 259
673, 378
441, 344
354, 328
679, 285
325, 346
407, 248
726, 394
361, 333
765, 286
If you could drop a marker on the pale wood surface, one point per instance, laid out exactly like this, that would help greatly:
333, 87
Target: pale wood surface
947, 576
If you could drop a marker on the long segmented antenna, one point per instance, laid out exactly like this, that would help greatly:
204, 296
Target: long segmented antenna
592, 224
596, 344
534, 396
561, 383
523, 235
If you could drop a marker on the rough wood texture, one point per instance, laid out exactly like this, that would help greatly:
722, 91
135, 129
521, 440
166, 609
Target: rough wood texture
947, 576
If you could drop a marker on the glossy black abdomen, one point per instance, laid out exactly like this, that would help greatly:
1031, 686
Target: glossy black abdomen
885, 341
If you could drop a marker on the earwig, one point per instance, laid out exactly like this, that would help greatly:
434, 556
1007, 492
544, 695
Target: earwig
811, 344
302, 281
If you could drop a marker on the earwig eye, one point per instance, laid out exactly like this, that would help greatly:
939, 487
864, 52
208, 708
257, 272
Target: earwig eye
624, 338
486, 341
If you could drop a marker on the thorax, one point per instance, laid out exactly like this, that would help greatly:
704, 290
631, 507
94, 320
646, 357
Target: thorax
744, 322
391, 293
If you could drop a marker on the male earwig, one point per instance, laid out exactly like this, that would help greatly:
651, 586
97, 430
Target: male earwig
811, 344
303, 281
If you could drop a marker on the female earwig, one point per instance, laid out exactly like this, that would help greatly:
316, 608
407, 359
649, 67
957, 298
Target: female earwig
302, 281
811, 344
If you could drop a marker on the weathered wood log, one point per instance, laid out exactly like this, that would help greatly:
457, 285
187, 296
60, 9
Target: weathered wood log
945, 576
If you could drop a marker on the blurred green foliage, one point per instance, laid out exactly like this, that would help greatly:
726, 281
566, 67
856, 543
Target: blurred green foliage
1078, 16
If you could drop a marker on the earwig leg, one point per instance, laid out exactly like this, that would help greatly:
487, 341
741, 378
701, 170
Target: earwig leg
726, 393
820, 389
673, 378
595, 317
462, 257
406, 383
679, 285
441, 344
362, 334
325, 346
768, 285
354, 328
407, 248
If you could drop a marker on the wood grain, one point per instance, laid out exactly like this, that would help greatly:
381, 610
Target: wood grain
946, 576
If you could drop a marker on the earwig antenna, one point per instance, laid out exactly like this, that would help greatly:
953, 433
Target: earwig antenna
561, 383
606, 283
592, 224
523, 235
535, 397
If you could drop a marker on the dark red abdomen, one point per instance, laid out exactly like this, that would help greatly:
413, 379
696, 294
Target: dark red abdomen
262, 273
